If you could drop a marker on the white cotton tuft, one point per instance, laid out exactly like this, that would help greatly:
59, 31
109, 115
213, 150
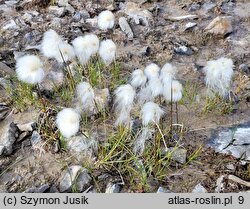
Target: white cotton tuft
176, 91
153, 89
138, 79
139, 145
65, 52
124, 97
86, 96
219, 75
167, 73
123, 118
152, 71
29, 69
50, 43
106, 20
151, 113
68, 122
85, 47
107, 51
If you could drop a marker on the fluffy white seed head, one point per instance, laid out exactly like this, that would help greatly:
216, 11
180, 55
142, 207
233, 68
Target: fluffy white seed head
156, 87
124, 97
152, 71
107, 51
85, 95
138, 79
219, 75
29, 69
167, 73
139, 144
106, 20
65, 52
123, 118
68, 122
176, 91
151, 113
85, 47
50, 42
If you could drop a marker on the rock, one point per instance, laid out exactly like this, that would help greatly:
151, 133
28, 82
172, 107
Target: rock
138, 14
82, 147
4, 110
77, 16
199, 189
63, 3
6, 70
190, 25
75, 176
27, 17
230, 167
70, 9
244, 68
27, 126
194, 7
178, 154
183, 50
163, 190
84, 14
208, 6
53, 189
8, 134
92, 21
43, 188
57, 11
113, 188
52, 80
10, 25
102, 99
125, 27
233, 142
83, 180
35, 138
220, 184
220, 26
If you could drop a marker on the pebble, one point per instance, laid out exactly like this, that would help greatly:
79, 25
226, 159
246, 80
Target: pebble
178, 154
57, 11
194, 7
113, 188
163, 190
125, 27
199, 189
183, 50
244, 68
221, 26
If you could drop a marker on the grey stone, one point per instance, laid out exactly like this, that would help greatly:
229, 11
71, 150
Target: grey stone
27, 17
163, 190
208, 6
10, 25
63, 3
35, 138
77, 16
4, 110
27, 126
194, 7
42, 188
70, 9
199, 189
6, 70
125, 27
8, 135
83, 181
113, 188
57, 11
84, 14
178, 154
82, 147
183, 50
190, 25
75, 176
220, 26
233, 142
244, 68
52, 80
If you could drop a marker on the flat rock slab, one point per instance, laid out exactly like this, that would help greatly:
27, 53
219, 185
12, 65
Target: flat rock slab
233, 141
